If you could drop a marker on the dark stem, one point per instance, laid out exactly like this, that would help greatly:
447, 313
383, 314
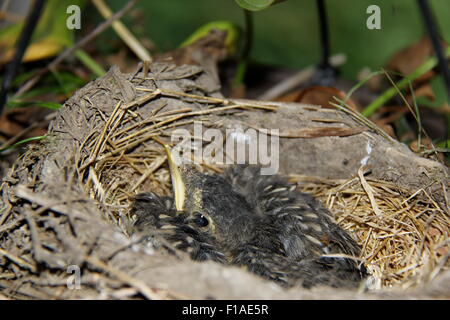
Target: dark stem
245, 55
324, 36
66, 53
21, 46
433, 32
248, 34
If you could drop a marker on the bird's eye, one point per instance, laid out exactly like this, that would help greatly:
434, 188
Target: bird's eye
200, 220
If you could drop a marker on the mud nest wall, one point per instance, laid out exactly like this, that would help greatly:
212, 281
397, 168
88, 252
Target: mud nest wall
65, 202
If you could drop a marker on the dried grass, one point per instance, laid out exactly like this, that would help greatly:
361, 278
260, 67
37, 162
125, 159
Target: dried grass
405, 240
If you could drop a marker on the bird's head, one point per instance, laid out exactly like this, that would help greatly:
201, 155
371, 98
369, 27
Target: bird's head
213, 207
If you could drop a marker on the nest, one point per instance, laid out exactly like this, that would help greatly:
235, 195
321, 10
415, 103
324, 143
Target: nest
65, 222
404, 235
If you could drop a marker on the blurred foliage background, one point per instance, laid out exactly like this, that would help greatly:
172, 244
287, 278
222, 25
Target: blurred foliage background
287, 33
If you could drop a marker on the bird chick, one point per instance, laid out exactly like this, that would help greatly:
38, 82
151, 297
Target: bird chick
260, 222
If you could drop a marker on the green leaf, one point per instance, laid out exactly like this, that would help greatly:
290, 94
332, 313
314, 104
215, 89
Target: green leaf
49, 85
24, 141
231, 41
256, 5
22, 78
43, 104
429, 64
48, 105
444, 145
67, 82
90, 63
440, 93
50, 36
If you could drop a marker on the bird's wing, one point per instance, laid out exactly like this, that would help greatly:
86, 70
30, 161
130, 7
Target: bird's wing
305, 227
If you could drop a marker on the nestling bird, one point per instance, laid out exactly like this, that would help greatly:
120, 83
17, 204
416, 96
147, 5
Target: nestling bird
260, 222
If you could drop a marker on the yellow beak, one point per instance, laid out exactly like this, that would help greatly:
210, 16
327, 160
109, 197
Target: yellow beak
178, 185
